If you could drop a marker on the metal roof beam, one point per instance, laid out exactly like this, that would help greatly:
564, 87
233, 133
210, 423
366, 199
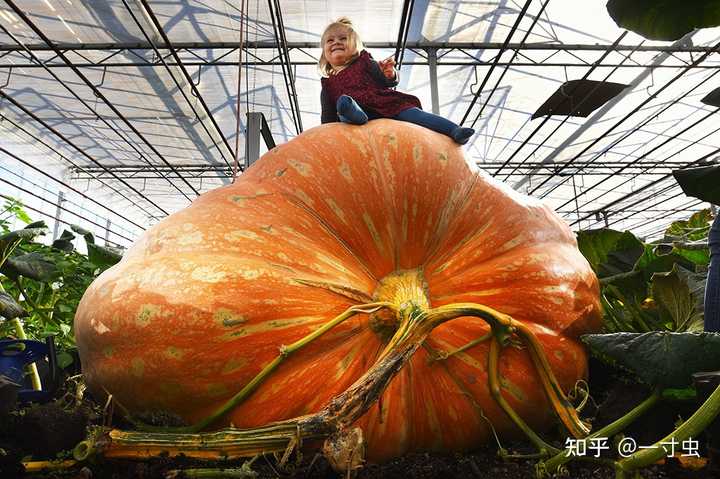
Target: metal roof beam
567, 117
637, 163
95, 90
79, 150
506, 67
641, 189
440, 62
622, 120
403, 31
496, 60
60, 207
69, 187
283, 48
70, 47
193, 89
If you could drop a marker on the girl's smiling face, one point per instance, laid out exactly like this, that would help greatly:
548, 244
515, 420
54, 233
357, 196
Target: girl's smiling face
336, 47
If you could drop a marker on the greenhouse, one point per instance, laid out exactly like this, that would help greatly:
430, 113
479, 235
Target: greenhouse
359, 239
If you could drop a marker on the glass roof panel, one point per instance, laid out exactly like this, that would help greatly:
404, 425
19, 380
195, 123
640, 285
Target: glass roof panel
168, 132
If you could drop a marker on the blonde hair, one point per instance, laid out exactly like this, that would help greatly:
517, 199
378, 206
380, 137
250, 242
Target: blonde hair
354, 43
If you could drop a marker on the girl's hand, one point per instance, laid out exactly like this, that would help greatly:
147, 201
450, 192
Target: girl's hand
388, 67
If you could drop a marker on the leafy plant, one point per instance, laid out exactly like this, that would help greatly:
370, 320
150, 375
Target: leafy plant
43, 283
651, 287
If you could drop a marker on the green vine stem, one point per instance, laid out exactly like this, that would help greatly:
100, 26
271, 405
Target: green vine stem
553, 465
494, 385
217, 473
692, 427
285, 352
35, 308
415, 323
441, 356
610, 279
505, 324
36, 467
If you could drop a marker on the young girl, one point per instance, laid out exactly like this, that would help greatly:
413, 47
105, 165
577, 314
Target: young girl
356, 88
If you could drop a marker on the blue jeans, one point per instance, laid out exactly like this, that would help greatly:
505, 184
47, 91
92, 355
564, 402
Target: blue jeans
349, 111
428, 120
712, 288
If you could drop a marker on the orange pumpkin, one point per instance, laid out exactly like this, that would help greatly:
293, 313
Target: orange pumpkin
207, 297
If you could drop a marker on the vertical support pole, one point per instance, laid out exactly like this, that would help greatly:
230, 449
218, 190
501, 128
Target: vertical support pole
107, 231
58, 211
252, 138
432, 68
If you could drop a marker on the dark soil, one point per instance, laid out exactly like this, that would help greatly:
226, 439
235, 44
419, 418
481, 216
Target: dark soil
51, 430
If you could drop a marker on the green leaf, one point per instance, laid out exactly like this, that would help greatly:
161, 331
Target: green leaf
610, 252
658, 358
679, 294
64, 359
695, 256
65, 242
651, 262
30, 265
15, 207
664, 19
26, 234
9, 308
89, 238
103, 256
36, 224
694, 229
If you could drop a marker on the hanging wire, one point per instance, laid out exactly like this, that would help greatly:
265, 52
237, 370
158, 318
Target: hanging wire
236, 163
247, 71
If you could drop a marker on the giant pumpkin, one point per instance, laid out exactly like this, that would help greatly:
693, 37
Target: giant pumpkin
340, 216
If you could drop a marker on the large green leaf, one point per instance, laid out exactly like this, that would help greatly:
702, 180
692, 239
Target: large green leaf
696, 256
89, 238
103, 256
9, 308
26, 234
679, 294
657, 358
610, 252
30, 265
696, 228
65, 242
664, 19
654, 261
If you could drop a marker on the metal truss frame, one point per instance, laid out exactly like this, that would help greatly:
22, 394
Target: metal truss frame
289, 55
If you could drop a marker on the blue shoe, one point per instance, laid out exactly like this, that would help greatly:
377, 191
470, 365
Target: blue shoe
461, 135
350, 112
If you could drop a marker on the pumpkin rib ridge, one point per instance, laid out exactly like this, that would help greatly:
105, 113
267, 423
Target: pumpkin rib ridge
460, 207
464, 389
394, 233
331, 231
314, 215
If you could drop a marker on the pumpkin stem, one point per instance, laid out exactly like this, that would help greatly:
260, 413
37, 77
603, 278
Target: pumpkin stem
402, 288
